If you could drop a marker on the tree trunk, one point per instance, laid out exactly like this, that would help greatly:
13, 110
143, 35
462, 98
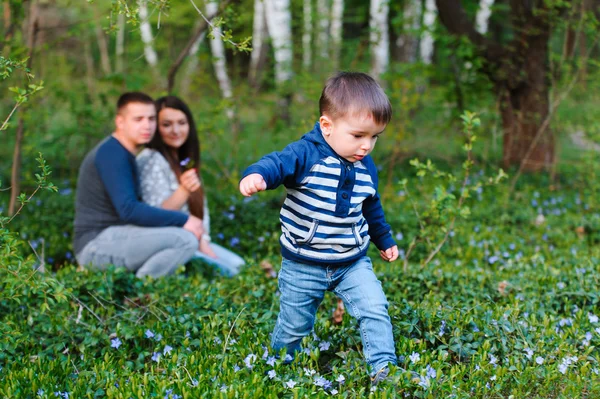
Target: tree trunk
323, 33
146, 32
103, 47
307, 34
379, 37
519, 72
426, 45
219, 60
259, 43
90, 73
483, 15
9, 28
408, 41
192, 41
525, 108
279, 25
15, 178
337, 17
192, 66
120, 43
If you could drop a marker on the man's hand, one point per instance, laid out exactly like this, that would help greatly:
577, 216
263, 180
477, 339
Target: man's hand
390, 254
190, 180
194, 225
252, 184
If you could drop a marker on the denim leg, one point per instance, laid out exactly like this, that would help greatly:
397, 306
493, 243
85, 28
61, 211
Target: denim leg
363, 296
302, 288
154, 251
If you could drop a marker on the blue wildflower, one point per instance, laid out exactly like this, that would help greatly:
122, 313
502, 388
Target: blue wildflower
234, 242
156, 356
115, 343
149, 334
167, 350
324, 345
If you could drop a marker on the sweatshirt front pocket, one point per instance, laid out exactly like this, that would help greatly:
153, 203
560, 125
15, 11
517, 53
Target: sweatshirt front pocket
310, 235
356, 233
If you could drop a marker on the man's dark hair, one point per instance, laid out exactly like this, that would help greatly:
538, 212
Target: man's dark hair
133, 97
355, 93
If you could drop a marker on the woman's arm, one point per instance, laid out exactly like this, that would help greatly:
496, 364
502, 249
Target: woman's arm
158, 183
177, 199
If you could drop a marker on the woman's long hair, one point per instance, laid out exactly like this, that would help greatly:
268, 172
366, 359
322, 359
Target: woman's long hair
190, 150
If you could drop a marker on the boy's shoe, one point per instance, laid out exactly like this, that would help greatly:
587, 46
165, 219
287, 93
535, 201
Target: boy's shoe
381, 375
384, 375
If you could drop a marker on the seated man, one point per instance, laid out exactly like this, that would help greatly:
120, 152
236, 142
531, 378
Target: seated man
112, 224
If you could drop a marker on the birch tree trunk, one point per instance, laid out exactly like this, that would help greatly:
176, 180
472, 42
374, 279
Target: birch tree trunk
379, 37
408, 41
426, 45
323, 35
146, 31
337, 17
120, 43
483, 15
219, 61
259, 44
279, 20
307, 34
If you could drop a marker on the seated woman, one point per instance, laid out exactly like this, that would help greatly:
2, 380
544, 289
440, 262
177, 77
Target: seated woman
170, 176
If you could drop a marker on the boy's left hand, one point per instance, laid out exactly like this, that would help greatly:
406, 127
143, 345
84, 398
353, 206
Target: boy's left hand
390, 254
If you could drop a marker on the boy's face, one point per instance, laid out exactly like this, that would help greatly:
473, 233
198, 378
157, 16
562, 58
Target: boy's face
353, 136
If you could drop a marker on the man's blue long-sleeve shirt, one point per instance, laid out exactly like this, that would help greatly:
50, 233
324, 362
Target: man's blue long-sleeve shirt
107, 195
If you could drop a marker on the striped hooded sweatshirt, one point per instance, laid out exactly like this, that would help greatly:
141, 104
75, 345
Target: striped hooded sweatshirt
332, 209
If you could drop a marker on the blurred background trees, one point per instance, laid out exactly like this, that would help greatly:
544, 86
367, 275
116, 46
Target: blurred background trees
253, 69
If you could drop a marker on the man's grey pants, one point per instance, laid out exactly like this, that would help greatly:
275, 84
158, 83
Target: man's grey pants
148, 251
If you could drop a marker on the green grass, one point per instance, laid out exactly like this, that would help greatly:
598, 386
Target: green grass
507, 308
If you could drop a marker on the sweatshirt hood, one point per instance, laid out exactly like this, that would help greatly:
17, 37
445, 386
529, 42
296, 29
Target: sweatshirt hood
316, 136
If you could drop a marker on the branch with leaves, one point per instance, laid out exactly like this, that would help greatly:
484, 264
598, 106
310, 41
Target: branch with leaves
444, 208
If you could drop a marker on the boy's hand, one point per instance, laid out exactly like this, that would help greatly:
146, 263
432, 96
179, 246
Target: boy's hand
390, 254
252, 184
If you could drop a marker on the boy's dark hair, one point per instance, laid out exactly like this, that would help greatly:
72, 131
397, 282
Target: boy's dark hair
133, 97
355, 92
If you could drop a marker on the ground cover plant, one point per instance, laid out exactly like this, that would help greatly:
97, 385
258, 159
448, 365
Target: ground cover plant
508, 307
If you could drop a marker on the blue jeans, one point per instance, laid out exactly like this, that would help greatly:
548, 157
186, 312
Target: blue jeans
302, 288
227, 262
147, 251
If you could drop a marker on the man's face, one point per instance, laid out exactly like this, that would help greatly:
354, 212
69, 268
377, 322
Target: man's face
136, 123
353, 136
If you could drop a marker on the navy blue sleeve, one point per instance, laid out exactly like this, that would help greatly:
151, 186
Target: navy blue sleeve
116, 169
281, 167
379, 230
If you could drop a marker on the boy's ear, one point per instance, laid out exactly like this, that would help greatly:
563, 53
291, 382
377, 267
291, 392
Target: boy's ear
326, 125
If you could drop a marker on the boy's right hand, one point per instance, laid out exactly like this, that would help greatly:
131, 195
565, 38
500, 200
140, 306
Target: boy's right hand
252, 184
